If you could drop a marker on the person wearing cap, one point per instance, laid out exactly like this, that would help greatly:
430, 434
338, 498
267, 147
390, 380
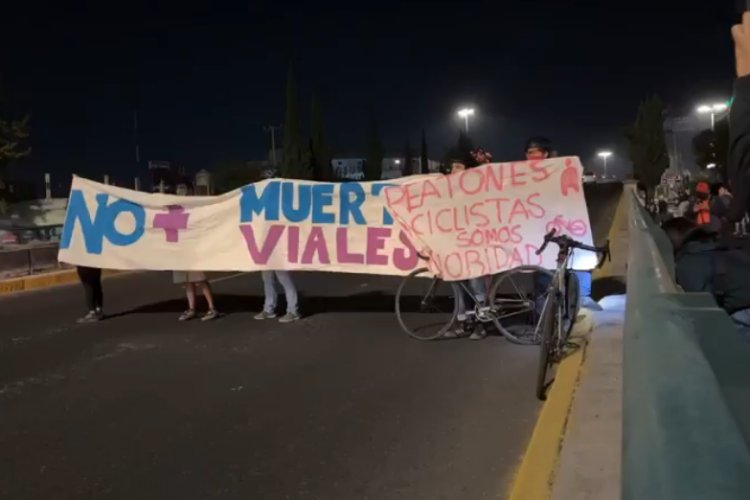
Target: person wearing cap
540, 148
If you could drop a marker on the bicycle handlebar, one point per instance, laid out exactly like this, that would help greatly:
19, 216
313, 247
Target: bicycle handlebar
566, 243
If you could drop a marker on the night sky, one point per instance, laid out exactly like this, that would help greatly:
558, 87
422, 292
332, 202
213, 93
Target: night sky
205, 77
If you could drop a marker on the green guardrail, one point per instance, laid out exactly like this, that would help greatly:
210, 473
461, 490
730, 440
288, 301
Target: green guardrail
686, 383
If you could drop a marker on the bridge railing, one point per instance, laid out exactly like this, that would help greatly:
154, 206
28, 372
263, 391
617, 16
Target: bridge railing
686, 376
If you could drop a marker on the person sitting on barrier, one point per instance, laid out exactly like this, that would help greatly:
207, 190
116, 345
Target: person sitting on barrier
91, 279
540, 148
271, 296
466, 325
702, 265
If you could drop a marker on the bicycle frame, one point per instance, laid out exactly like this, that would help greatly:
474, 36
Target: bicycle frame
557, 286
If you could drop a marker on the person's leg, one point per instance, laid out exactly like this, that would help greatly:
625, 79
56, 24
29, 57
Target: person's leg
290, 291
463, 327
269, 291
98, 290
208, 294
190, 294
478, 288
85, 274
584, 287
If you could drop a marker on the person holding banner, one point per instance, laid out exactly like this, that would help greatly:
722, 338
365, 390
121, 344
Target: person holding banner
192, 280
271, 297
91, 279
540, 148
465, 327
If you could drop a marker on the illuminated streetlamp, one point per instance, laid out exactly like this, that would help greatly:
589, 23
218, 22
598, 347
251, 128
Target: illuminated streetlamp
604, 155
465, 113
713, 110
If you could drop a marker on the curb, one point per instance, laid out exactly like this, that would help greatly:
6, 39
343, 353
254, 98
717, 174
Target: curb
533, 480
534, 477
47, 280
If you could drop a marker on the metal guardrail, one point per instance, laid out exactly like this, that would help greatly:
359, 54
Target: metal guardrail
28, 259
686, 383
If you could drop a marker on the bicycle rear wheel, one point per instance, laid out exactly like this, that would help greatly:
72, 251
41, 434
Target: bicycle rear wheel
548, 327
426, 306
518, 296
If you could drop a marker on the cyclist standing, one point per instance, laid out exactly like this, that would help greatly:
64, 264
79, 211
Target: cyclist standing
540, 148
466, 326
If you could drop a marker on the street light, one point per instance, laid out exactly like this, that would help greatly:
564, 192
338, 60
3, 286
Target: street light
604, 155
713, 110
465, 113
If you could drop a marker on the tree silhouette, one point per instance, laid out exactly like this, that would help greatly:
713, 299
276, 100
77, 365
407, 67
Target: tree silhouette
648, 149
373, 168
295, 164
320, 154
424, 164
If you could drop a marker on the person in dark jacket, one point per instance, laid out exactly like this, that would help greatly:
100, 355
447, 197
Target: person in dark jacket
702, 265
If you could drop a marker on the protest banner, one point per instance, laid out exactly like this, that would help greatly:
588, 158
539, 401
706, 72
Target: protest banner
493, 218
273, 224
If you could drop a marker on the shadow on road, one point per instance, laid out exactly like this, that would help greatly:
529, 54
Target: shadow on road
310, 306
604, 287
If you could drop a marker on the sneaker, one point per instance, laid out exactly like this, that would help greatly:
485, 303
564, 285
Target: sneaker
99, 314
212, 314
91, 317
289, 318
590, 304
479, 333
265, 315
457, 332
187, 315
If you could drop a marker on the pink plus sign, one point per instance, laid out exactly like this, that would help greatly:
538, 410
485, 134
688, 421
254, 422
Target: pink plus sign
172, 222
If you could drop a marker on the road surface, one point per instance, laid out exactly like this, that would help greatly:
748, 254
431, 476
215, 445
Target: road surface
341, 405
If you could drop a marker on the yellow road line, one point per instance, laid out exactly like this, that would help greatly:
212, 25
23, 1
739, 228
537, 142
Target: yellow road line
533, 480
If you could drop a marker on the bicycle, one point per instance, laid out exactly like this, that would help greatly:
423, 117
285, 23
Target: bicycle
427, 307
552, 327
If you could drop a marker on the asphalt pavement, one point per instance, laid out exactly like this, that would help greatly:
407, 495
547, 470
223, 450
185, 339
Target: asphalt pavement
341, 405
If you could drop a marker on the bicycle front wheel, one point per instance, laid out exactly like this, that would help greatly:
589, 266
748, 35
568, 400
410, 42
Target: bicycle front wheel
547, 349
426, 306
517, 297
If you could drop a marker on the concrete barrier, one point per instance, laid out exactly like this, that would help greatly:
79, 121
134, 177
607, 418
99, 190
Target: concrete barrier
686, 377
28, 259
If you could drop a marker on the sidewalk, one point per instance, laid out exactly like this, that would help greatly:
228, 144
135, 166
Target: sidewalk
589, 465
590, 460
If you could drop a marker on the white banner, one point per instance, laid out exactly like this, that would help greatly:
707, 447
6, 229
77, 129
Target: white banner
273, 224
341, 227
493, 218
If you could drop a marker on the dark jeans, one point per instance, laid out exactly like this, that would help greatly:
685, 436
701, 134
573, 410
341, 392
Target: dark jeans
91, 279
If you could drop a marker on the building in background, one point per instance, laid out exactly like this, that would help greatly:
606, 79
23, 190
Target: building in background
392, 168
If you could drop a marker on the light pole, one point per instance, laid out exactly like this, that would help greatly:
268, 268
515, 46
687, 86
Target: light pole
604, 155
465, 113
273, 129
713, 110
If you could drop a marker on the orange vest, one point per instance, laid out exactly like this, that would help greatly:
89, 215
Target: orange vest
703, 213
